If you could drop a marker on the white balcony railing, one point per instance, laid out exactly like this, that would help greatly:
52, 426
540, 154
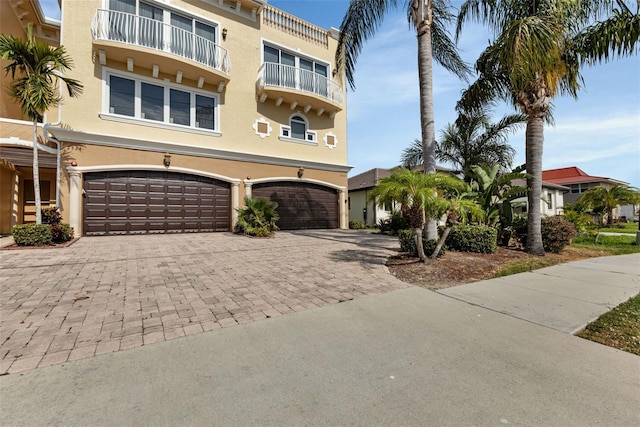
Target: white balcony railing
286, 76
293, 25
139, 31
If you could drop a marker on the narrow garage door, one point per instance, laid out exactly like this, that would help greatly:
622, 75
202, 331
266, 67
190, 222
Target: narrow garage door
301, 205
137, 202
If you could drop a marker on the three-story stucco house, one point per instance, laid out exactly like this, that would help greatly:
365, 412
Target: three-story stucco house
17, 197
191, 105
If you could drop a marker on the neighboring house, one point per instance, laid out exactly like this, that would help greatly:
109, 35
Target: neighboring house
17, 200
552, 202
360, 207
578, 182
187, 108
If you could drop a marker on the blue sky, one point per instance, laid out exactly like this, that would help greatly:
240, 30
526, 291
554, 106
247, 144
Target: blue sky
599, 132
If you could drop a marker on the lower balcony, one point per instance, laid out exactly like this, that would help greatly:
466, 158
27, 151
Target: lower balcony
152, 44
298, 87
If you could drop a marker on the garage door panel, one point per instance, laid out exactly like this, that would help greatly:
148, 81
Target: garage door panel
174, 201
117, 187
156, 200
135, 202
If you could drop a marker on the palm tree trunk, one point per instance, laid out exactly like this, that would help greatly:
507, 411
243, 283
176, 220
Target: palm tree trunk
419, 246
534, 142
440, 244
609, 217
427, 116
36, 173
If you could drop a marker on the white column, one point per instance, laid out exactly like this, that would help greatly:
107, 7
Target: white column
75, 200
235, 202
247, 188
343, 208
15, 198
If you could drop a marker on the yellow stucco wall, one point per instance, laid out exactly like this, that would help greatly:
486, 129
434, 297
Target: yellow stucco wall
238, 108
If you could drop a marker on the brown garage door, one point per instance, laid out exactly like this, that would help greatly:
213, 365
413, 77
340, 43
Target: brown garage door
137, 202
301, 205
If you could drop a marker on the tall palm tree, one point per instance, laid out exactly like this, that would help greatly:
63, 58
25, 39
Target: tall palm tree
416, 192
39, 68
600, 199
536, 55
471, 140
429, 18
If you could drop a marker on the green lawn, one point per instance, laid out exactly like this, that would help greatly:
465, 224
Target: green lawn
619, 328
612, 245
629, 228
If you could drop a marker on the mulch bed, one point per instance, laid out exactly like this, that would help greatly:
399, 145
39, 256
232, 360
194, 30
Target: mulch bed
14, 247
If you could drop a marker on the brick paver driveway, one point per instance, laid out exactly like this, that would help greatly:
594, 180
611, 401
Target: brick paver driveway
105, 294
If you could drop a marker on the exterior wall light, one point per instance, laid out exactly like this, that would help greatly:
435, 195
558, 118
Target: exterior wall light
167, 160
300, 172
224, 34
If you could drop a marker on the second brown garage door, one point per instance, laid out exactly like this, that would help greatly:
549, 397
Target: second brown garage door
136, 202
301, 205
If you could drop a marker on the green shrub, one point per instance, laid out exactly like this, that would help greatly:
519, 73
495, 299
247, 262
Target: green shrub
557, 233
519, 227
356, 224
258, 217
473, 238
32, 235
397, 222
582, 223
61, 233
408, 244
430, 246
51, 216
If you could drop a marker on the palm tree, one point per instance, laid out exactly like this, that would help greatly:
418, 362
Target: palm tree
536, 55
600, 199
429, 18
471, 140
458, 208
416, 192
38, 67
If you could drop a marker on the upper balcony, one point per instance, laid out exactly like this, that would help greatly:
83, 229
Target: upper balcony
299, 87
152, 44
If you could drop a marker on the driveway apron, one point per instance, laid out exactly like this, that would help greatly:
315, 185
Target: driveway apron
105, 294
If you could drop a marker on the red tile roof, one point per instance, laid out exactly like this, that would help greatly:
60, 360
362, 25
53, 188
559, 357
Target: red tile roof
570, 175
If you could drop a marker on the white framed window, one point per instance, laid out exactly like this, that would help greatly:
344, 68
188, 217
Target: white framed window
147, 100
298, 129
579, 188
549, 201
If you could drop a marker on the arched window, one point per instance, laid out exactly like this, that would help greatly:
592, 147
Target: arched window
298, 129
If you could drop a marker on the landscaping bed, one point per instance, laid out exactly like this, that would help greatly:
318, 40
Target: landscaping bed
457, 268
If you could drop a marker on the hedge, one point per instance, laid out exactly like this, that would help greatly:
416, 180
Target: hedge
473, 238
32, 235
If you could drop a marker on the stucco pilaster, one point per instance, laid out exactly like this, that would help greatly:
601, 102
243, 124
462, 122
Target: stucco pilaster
75, 200
235, 202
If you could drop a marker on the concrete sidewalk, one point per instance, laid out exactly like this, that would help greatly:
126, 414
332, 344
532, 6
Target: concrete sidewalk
408, 357
564, 297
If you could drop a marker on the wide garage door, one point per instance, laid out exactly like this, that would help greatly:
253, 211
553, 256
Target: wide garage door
301, 205
137, 202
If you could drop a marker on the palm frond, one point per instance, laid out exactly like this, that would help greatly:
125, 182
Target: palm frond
360, 23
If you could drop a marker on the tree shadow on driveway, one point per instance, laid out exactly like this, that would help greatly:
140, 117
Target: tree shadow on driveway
363, 257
